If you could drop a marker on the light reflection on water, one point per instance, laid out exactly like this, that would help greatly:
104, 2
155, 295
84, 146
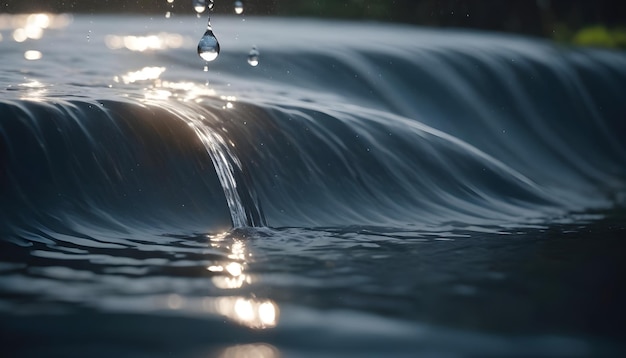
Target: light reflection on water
250, 312
32, 26
202, 277
229, 274
33, 90
436, 274
251, 351
154, 42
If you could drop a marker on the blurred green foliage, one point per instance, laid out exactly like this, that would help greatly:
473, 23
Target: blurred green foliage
600, 36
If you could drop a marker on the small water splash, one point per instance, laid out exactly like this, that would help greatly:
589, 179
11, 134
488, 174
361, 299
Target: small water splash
208, 47
253, 57
238, 7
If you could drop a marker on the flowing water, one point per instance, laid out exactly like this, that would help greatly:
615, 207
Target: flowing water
361, 190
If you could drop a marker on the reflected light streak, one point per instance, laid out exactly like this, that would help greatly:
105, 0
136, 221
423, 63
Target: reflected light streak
238, 251
35, 90
160, 41
32, 55
32, 26
218, 237
19, 35
215, 268
184, 91
249, 312
234, 268
260, 350
145, 74
231, 283
232, 273
39, 20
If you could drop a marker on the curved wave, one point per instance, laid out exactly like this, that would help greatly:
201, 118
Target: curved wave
419, 129
104, 163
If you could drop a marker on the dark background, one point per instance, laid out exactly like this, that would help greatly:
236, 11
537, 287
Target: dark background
559, 19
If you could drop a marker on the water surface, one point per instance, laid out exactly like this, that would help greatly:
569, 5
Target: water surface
366, 190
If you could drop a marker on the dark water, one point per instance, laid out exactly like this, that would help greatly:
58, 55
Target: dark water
367, 190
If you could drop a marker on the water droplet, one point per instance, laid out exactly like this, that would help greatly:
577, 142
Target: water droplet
211, 4
199, 5
238, 7
208, 47
253, 57
206, 68
169, 13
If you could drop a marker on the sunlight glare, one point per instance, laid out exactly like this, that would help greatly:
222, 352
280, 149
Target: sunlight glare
145, 74
249, 312
160, 41
32, 55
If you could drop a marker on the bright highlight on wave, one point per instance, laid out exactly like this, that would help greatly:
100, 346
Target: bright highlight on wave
33, 90
251, 350
249, 312
160, 41
145, 74
32, 55
231, 275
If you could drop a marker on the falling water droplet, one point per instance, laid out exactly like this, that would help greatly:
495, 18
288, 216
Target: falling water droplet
238, 7
253, 57
208, 47
206, 69
211, 4
169, 13
199, 6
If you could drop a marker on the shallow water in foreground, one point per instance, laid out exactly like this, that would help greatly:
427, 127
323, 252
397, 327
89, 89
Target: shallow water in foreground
395, 191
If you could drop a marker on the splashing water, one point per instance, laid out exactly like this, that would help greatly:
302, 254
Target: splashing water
208, 47
225, 163
238, 7
253, 57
